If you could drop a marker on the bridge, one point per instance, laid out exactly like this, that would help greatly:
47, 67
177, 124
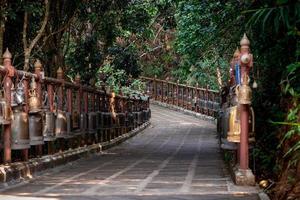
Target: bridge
130, 147
177, 157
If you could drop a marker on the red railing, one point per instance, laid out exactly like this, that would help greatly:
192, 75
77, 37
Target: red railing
107, 116
200, 100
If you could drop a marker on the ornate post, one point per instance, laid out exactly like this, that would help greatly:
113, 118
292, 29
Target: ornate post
60, 76
50, 92
244, 175
155, 88
177, 93
7, 88
37, 71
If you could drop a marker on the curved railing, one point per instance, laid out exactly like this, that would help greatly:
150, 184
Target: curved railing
200, 100
57, 114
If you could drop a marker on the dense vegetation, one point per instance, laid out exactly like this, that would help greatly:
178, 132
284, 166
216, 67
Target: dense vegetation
187, 40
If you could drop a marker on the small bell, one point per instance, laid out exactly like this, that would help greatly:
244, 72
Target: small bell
243, 91
19, 94
234, 131
34, 102
5, 110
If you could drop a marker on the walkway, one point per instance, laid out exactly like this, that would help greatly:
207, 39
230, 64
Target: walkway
177, 157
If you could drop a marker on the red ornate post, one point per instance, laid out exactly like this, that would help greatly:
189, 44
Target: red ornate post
37, 71
50, 92
79, 93
244, 175
177, 93
60, 76
7, 88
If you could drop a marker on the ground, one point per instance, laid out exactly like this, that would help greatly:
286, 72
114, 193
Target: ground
177, 157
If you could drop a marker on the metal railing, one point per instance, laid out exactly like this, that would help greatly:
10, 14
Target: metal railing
200, 100
92, 114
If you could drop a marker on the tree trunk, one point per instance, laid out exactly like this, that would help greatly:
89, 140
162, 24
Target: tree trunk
2, 27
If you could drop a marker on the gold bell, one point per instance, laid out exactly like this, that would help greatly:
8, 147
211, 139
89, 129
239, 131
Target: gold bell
34, 102
234, 131
244, 92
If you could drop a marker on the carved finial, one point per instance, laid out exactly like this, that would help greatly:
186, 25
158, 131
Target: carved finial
59, 73
77, 77
245, 41
7, 54
38, 65
237, 53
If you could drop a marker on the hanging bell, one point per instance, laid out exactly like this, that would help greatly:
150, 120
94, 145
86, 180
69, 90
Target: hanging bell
61, 124
19, 129
19, 94
49, 126
13, 97
234, 132
83, 123
34, 102
5, 110
69, 125
234, 128
75, 120
244, 93
36, 129
92, 122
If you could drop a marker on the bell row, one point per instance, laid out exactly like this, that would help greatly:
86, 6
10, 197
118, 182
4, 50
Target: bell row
36, 128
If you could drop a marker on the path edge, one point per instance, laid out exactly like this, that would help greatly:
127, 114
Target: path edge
20, 171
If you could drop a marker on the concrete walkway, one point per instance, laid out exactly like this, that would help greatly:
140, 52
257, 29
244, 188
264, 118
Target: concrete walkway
177, 157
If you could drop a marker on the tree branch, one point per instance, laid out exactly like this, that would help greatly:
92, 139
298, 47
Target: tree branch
44, 23
25, 24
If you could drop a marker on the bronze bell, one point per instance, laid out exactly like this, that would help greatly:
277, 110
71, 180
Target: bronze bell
61, 124
34, 102
244, 93
234, 132
19, 94
75, 119
83, 123
92, 122
36, 129
69, 125
5, 110
19, 129
49, 126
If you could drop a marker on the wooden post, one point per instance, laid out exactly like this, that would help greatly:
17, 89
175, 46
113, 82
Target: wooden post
60, 76
37, 71
51, 109
7, 88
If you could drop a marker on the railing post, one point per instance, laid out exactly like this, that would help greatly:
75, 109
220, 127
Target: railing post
197, 97
60, 106
177, 92
7, 88
162, 91
25, 152
244, 175
155, 88
50, 92
37, 71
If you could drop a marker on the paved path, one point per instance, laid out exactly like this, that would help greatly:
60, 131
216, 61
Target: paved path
177, 157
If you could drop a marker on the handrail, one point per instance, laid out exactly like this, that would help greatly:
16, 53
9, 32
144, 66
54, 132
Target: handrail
72, 98
201, 100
